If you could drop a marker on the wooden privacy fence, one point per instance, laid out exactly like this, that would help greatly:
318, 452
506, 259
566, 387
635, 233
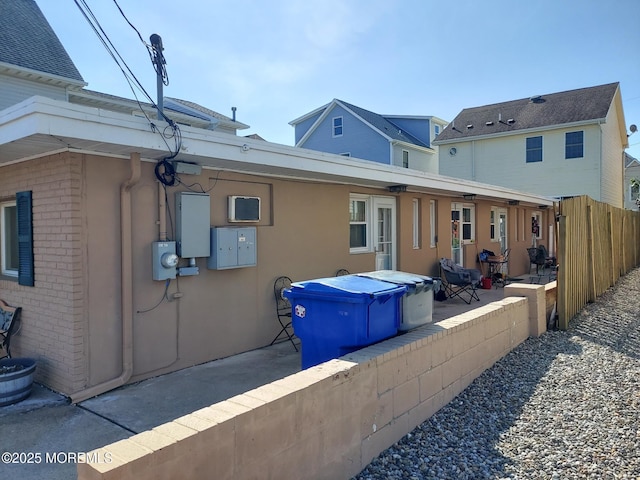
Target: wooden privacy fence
597, 244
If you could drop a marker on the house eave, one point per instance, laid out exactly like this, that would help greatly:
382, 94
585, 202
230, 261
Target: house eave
40, 77
39, 126
413, 146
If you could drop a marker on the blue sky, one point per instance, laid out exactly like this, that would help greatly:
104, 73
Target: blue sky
276, 60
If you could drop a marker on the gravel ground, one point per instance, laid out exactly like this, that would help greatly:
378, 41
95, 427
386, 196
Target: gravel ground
565, 405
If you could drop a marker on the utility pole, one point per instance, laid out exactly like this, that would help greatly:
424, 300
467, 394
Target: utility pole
159, 62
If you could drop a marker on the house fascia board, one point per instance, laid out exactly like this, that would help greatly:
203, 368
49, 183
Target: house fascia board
309, 115
525, 131
55, 125
41, 77
413, 146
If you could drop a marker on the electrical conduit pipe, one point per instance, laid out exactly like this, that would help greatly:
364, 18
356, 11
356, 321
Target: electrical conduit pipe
126, 282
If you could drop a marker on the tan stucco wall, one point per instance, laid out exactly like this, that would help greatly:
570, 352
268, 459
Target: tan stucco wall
72, 317
328, 421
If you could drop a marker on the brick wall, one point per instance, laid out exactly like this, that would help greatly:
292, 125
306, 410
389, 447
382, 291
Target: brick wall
52, 328
328, 421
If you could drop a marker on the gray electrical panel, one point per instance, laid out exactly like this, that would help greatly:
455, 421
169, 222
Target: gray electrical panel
232, 248
193, 221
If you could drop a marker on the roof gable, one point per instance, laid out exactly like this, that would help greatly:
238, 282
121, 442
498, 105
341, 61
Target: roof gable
375, 121
555, 109
28, 41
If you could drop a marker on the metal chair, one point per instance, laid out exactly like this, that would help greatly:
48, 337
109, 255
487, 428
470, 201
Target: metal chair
497, 270
9, 317
460, 282
539, 257
283, 311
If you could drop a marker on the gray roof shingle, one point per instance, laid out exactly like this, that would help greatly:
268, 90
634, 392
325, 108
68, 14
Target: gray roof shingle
383, 125
27, 40
561, 108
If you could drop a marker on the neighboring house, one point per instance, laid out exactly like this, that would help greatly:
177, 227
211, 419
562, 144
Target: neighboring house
88, 211
34, 62
558, 145
631, 182
344, 129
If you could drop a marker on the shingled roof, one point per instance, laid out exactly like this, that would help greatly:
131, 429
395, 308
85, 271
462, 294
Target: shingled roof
28, 41
383, 125
539, 111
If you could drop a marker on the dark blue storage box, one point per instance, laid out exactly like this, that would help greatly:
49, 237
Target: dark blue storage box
338, 315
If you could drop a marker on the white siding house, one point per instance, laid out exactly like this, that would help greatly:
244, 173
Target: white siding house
558, 145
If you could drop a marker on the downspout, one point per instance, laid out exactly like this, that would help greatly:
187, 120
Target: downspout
126, 282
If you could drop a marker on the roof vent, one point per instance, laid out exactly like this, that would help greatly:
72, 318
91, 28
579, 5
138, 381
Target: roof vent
489, 123
510, 120
537, 99
470, 126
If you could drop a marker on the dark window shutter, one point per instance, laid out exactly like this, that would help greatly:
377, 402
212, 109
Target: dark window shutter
25, 239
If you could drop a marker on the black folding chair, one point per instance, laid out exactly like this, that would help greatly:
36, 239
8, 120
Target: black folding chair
460, 282
283, 311
9, 317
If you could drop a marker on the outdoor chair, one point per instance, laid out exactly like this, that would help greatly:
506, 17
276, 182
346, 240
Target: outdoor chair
341, 272
9, 317
460, 282
498, 267
539, 257
283, 311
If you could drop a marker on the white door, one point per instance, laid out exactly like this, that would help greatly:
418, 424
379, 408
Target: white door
384, 231
456, 235
502, 229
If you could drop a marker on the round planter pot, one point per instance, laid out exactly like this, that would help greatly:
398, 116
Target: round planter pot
16, 386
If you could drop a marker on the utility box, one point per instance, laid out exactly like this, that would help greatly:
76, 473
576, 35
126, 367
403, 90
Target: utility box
164, 260
193, 221
232, 247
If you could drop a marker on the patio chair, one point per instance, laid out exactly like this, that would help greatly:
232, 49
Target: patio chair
539, 257
283, 311
460, 282
498, 268
341, 272
9, 317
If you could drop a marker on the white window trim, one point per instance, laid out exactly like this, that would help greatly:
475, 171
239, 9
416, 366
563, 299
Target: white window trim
402, 160
368, 248
333, 126
4, 242
433, 232
416, 223
459, 207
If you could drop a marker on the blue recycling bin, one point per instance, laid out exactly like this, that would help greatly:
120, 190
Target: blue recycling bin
338, 315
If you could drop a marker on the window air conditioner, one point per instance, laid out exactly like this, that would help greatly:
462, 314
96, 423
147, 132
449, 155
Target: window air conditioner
244, 209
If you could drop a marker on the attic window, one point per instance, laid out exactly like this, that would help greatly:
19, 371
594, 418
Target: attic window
337, 126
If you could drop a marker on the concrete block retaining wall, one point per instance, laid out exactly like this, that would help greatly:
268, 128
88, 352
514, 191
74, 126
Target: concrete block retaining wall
331, 420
